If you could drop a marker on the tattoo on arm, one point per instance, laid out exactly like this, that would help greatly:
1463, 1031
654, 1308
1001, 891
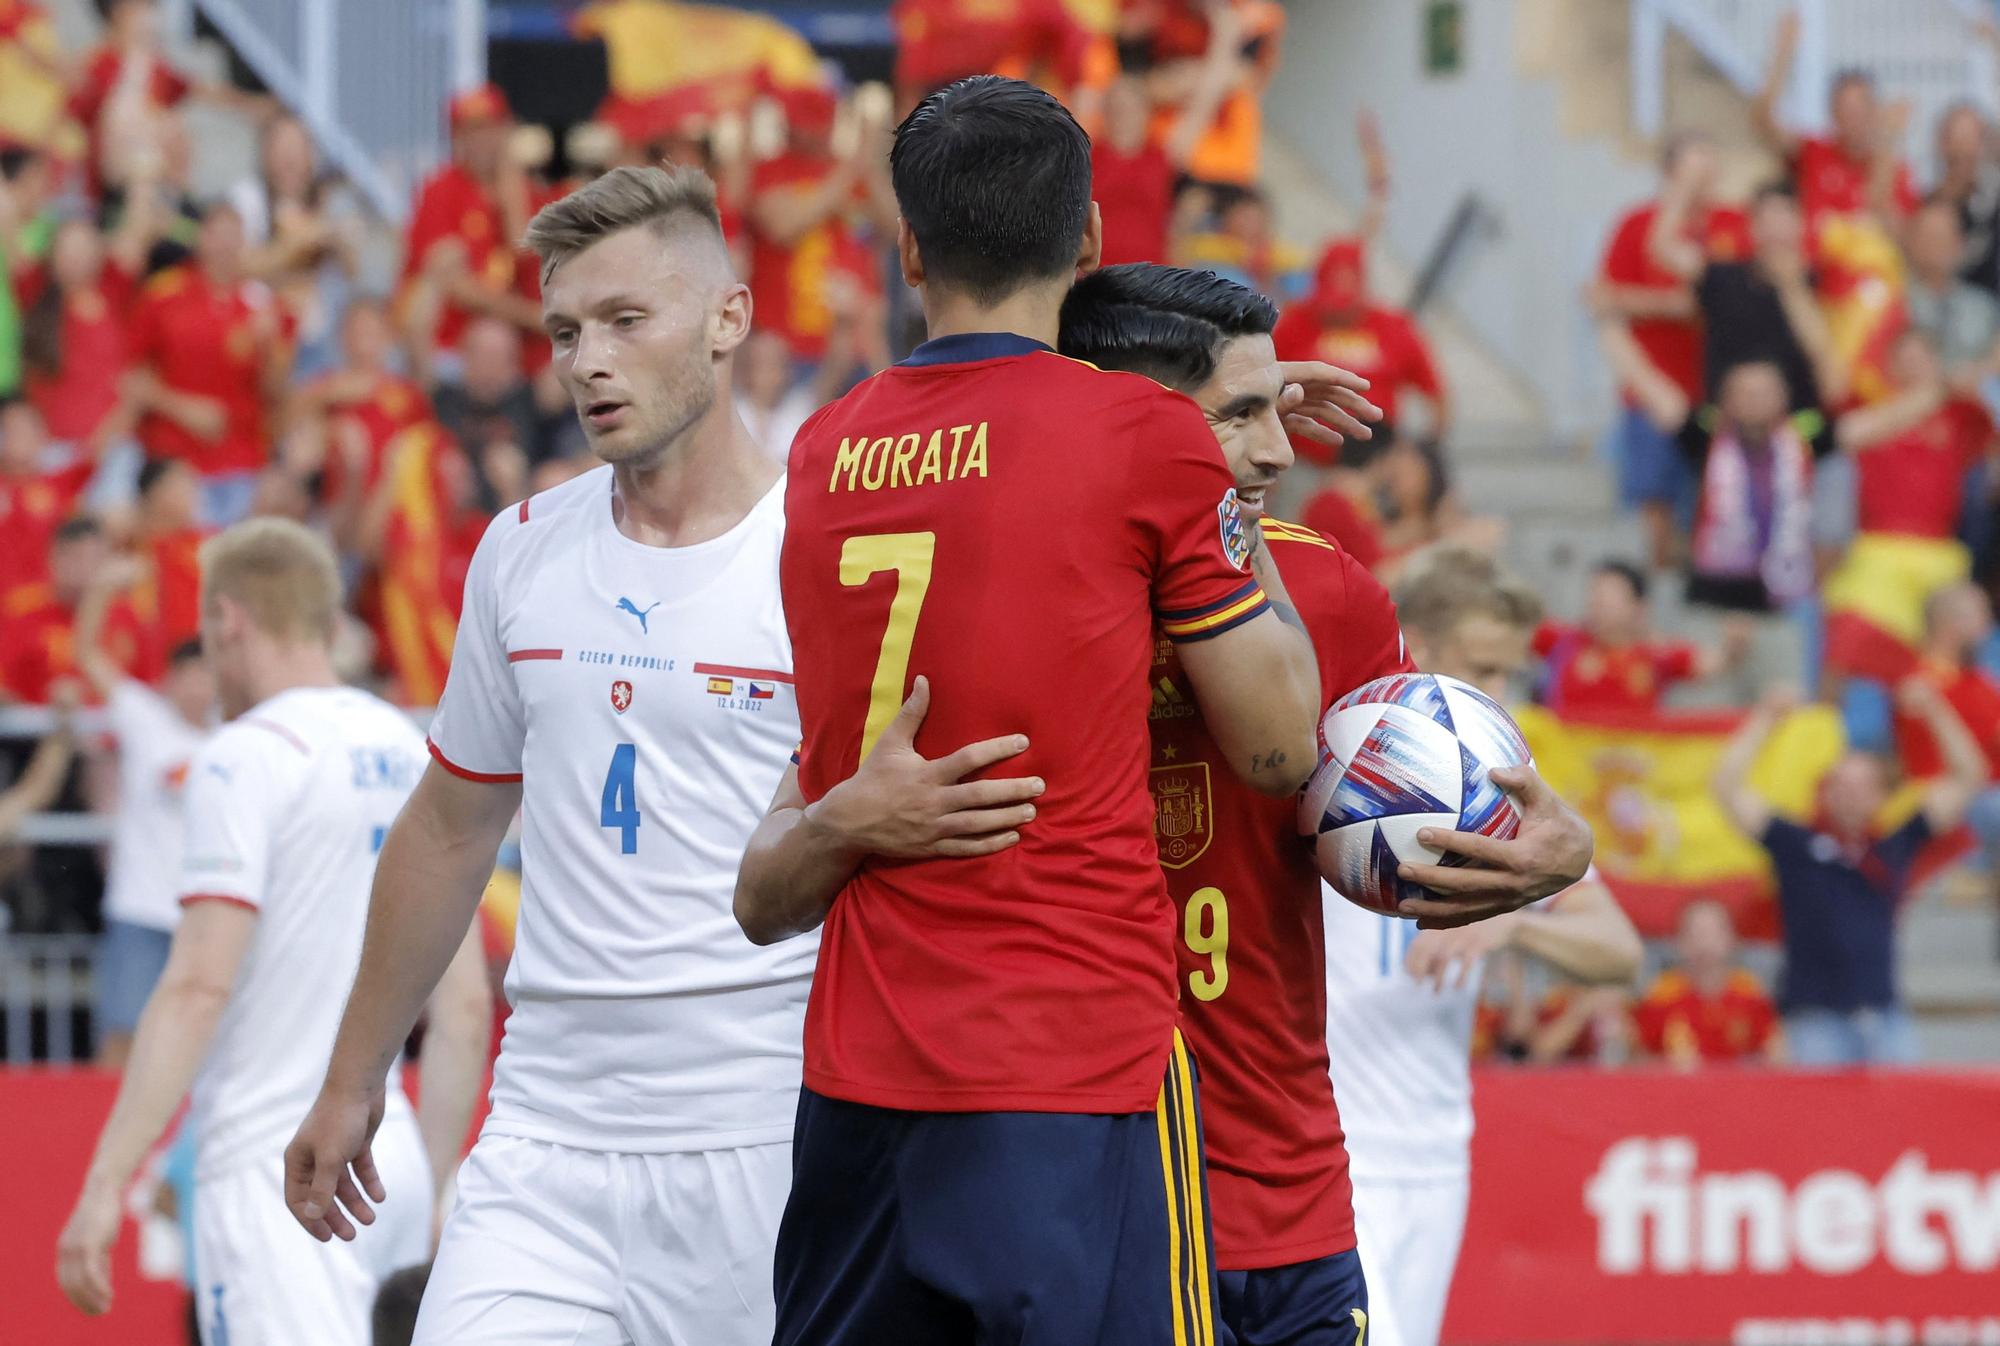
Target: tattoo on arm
1289, 615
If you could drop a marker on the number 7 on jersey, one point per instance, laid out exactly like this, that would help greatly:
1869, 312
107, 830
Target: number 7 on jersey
909, 555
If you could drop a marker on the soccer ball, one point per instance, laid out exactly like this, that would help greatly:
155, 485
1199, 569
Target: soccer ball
1395, 755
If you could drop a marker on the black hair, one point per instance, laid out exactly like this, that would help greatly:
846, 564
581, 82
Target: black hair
1679, 143
77, 527
393, 1319
1165, 322
152, 470
1850, 74
186, 652
1635, 578
993, 177
1776, 188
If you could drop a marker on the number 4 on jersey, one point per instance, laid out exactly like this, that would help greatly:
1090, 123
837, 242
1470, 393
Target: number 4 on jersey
621, 798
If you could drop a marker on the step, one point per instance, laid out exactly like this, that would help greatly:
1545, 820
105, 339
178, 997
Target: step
1544, 487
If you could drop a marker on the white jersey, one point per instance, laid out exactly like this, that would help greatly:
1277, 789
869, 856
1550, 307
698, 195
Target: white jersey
287, 806
643, 697
1399, 1049
155, 749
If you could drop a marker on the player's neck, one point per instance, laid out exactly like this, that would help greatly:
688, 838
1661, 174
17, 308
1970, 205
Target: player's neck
700, 487
280, 668
1034, 312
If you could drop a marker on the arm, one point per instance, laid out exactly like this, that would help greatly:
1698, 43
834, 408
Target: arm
40, 781
202, 417
1584, 933
787, 214
1375, 162
1947, 798
1258, 688
1665, 405
1607, 299
1553, 1041
97, 667
433, 867
1808, 325
453, 1061
1764, 112
1667, 241
1868, 425
1732, 650
1731, 781
1551, 852
174, 1032
896, 804
1219, 74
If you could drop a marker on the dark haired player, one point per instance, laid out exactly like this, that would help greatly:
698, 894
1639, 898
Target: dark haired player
997, 1139
1252, 946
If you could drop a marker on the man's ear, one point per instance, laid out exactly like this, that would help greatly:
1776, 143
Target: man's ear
1090, 252
730, 323
911, 260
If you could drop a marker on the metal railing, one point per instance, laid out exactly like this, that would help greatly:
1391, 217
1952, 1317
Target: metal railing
46, 992
1928, 52
370, 78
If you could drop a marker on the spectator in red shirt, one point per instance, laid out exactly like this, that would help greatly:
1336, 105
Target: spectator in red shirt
163, 604
1857, 169
1609, 664
1958, 619
213, 355
1341, 326
1915, 448
34, 498
938, 41
805, 261
38, 620
1659, 306
344, 420
1706, 1009
461, 255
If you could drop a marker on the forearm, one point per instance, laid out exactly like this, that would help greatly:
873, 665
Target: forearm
41, 781
1809, 327
793, 868
454, 1057
1667, 242
1553, 1040
1597, 945
1867, 426
173, 1035
1648, 301
1295, 691
427, 886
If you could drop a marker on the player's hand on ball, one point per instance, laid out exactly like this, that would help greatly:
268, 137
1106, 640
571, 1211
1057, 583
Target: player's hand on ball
900, 803
329, 1165
1550, 852
83, 1249
1324, 402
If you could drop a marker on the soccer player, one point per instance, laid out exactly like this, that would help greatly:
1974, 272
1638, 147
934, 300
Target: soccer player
286, 807
622, 673
997, 1136
1401, 999
1251, 946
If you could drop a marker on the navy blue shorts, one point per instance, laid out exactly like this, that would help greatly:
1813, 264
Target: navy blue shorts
1323, 1302
1000, 1228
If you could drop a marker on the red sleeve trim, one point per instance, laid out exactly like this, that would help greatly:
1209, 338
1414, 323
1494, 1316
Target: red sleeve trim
524, 510
282, 733
228, 898
483, 777
528, 656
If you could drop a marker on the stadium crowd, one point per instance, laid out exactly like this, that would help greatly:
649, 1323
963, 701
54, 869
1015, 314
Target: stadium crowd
1809, 380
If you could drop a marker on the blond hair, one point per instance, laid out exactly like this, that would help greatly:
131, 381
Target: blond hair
1445, 584
624, 198
283, 575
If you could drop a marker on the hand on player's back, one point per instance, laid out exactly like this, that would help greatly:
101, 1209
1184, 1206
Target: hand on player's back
901, 804
329, 1164
1550, 852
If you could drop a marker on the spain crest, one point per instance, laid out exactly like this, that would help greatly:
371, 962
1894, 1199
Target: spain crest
1182, 826
621, 696
1235, 537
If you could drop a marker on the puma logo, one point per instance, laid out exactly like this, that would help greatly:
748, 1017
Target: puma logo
627, 605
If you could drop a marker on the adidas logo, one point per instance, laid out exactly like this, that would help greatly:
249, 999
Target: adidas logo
1168, 703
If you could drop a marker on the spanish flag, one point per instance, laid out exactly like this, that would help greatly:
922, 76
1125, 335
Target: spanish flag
1642, 782
1861, 297
424, 554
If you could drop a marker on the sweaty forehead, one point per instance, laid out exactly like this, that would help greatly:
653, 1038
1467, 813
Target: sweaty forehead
1246, 367
642, 263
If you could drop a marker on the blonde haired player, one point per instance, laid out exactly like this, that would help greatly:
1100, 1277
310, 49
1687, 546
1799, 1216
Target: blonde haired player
623, 675
1400, 999
286, 807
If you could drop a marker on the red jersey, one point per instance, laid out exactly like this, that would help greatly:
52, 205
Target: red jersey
1975, 696
162, 609
392, 405
788, 281
1252, 949
95, 345
923, 535
453, 204
1599, 679
31, 509
1135, 195
1831, 182
1672, 344
1333, 513
37, 642
938, 41
203, 340
1680, 1024
165, 86
1382, 345
1914, 483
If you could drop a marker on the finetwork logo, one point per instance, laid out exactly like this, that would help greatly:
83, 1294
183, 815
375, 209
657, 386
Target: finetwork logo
1656, 1212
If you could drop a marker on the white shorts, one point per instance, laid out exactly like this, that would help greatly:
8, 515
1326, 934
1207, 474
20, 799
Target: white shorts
1409, 1231
552, 1246
264, 1281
